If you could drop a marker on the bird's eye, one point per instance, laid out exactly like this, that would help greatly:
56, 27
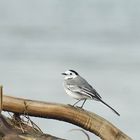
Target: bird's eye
70, 73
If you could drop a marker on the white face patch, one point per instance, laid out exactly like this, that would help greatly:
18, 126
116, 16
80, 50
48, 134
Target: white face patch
70, 74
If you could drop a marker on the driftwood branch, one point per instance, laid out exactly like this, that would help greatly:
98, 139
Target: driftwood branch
1, 97
11, 130
85, 119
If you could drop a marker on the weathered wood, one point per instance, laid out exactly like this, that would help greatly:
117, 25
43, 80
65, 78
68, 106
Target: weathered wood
85, 119
1, 97
12, 131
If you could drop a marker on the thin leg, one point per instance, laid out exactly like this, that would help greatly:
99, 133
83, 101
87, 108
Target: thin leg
77, 102
83, 103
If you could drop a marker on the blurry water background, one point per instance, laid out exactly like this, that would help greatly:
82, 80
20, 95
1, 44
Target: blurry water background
99, 39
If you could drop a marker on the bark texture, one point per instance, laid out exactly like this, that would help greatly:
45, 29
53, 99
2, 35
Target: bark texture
11, 130
85, 119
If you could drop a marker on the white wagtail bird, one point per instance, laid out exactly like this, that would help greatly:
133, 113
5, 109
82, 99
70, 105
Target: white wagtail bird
78, 88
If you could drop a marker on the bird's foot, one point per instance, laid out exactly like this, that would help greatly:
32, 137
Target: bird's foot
79, 107
70, 105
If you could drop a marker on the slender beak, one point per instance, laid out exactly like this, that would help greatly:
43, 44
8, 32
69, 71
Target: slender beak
63, 73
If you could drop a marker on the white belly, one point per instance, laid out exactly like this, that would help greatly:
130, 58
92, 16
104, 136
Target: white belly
76, 95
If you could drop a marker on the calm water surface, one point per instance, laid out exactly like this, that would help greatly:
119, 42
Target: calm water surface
100, 40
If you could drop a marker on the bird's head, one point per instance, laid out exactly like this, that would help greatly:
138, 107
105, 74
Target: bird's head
70, 74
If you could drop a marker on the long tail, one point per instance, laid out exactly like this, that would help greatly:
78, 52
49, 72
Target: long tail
110, 107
